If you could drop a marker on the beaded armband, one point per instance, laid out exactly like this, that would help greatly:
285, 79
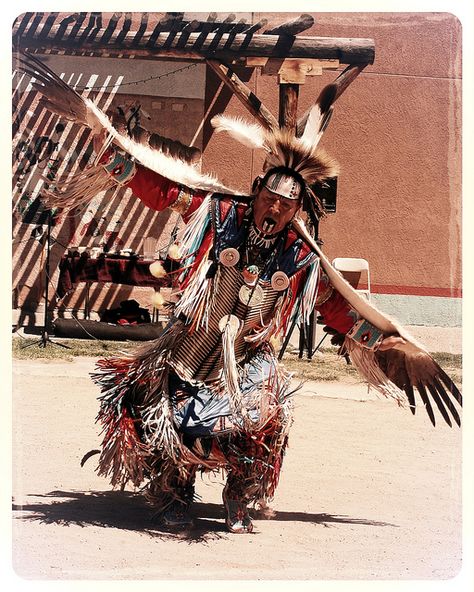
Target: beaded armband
182, 202
366, 335
120, 167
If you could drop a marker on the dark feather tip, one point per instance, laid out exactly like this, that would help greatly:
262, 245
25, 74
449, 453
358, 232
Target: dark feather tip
87, 456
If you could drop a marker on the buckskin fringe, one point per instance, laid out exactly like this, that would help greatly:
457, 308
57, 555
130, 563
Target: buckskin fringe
123, 457
195, 299
365, 362
79, 189
230, 373
260, 450
136, 380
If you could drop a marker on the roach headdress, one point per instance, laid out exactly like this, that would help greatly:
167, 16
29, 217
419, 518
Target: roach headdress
290, 155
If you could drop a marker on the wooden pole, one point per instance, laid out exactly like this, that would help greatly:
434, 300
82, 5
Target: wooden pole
303, 22
244, 94
288, 107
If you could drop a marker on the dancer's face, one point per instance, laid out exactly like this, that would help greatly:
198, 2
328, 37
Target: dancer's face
272, 212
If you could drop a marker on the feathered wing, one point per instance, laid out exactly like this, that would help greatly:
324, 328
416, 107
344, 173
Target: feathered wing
60, 98
400, 371
413, 369
173, 168
316, 120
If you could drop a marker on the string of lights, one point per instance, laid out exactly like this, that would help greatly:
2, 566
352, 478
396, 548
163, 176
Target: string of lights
189, 66
158, 77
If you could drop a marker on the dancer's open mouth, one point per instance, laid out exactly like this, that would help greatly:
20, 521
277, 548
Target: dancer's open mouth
268, 225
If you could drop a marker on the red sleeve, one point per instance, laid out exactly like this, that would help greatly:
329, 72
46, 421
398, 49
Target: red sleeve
155, 191
159, 193
334, 309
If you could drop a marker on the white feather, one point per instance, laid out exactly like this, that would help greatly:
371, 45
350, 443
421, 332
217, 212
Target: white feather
249, 134
312, 131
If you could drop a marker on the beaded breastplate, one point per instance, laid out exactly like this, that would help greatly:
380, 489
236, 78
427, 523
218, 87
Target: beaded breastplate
199, 356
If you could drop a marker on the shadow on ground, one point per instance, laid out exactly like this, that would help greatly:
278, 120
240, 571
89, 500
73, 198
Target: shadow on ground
129, 511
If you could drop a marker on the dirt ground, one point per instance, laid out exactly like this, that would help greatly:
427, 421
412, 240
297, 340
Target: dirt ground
367, 492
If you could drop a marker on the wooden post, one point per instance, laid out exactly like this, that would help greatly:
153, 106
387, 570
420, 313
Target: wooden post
288, 109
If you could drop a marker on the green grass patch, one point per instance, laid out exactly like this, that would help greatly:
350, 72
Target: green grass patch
325, 365
30, 349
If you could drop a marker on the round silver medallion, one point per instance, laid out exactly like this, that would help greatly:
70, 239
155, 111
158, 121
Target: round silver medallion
251, 296
230, 320
229, 257
280, 281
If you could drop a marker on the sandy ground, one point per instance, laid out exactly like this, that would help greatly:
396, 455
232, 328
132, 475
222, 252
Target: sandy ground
367, 492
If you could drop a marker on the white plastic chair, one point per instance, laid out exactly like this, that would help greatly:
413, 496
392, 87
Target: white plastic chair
352, 269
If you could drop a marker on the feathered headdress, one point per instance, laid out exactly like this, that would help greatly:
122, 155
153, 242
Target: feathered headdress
283, 148
298, 154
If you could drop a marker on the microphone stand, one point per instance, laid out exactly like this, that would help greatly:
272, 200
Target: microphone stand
45, 339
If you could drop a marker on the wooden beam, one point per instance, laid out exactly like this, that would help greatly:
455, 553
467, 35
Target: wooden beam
257, 26
244, 94
291, 70
346, 50
303, 22
272, 66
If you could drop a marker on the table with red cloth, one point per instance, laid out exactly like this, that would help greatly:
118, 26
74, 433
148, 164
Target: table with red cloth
131, 271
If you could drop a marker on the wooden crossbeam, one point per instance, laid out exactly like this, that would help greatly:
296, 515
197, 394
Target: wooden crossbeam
109, 31
302, 23
142, 29
256, 27
205, 29
244, 94
21, 23
80, 18
125, 28
63, 26
186, 32
48, 25
291, 70
35, 24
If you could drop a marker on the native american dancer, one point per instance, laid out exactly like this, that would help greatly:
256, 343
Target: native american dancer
209, 393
